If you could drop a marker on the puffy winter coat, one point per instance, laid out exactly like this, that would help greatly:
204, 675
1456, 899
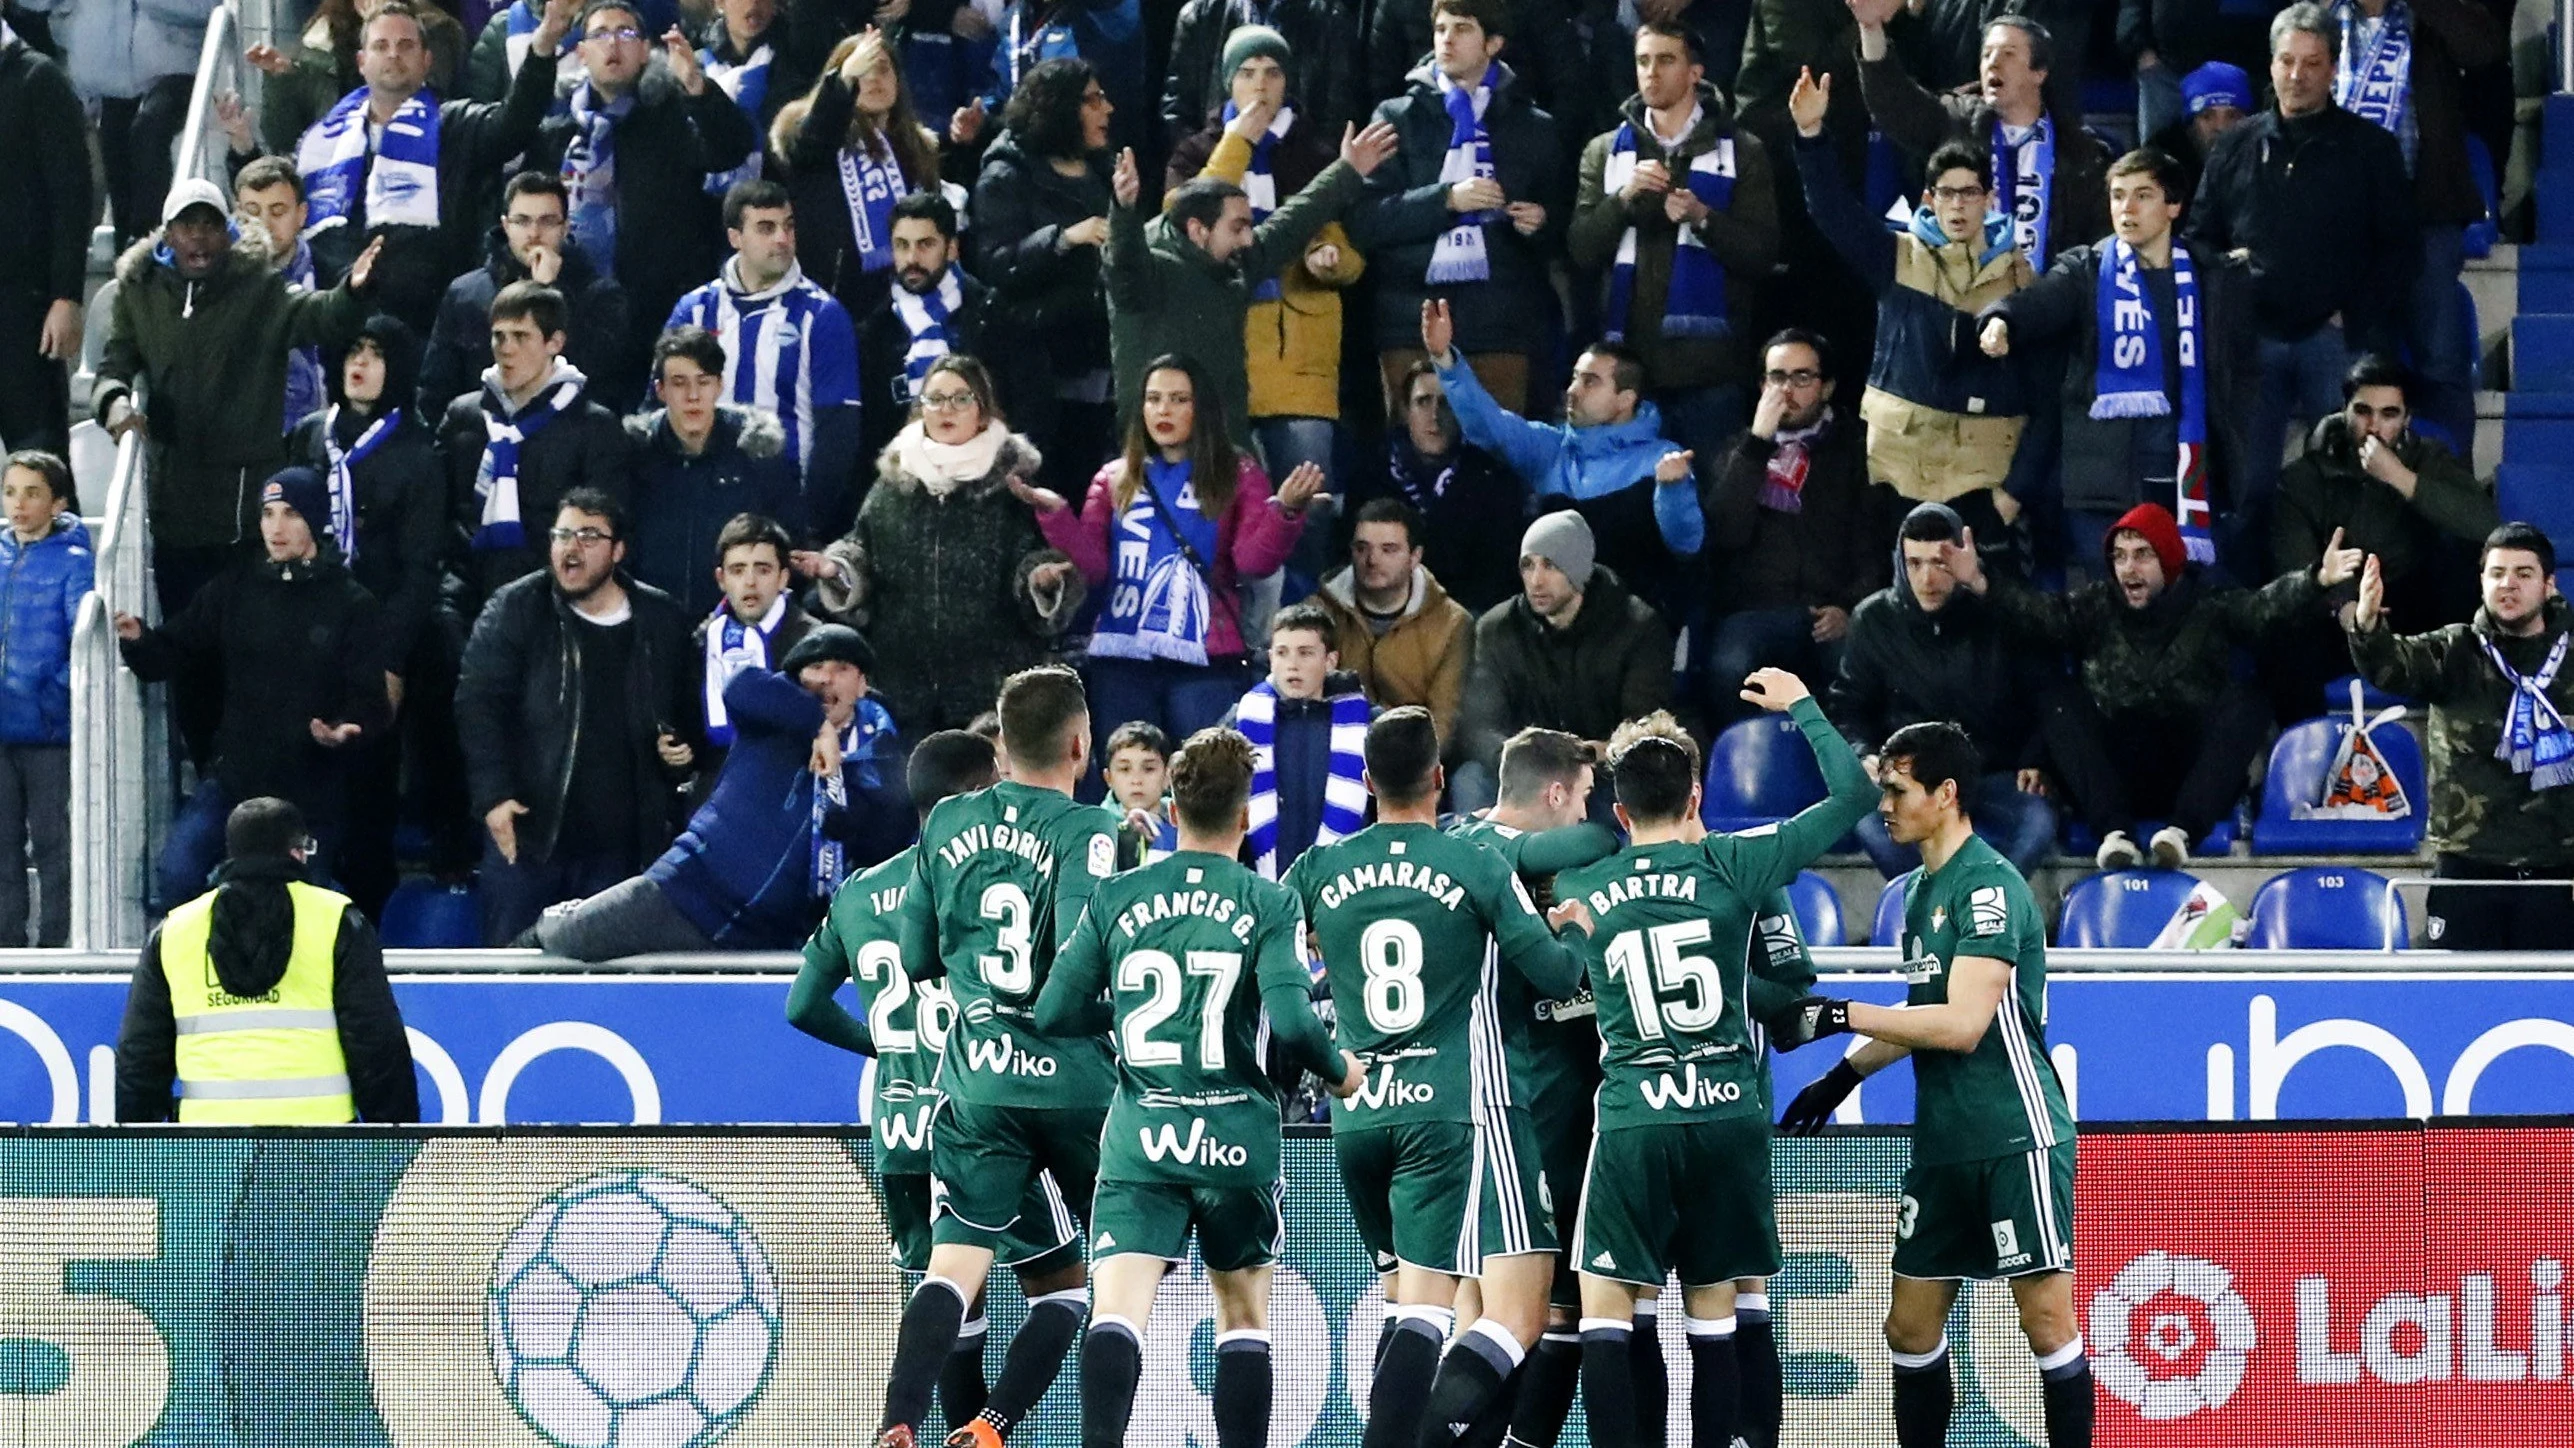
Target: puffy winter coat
1252, 538
401, 518
682, 500
1021, 207
41, 586
1611, 664
1421, 657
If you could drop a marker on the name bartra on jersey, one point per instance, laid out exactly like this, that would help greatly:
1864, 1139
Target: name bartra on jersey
1642, 887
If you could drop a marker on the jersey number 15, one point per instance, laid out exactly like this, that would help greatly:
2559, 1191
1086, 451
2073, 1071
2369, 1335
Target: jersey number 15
1667, 986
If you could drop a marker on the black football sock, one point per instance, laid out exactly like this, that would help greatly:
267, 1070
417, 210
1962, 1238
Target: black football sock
1242, 1389
1470, 1379
1546, 1385
1112, 1361
2065, 1377
1395, 1401
1036, 1355
962, 1391
1384, 1334
930, 1323
1652, 1376
1923, 1396
1609, 1382
1756, 1360
1715, 1385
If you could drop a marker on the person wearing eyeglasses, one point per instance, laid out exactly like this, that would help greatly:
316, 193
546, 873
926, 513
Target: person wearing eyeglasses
527, 244
945, 568
574, 686
1792, 541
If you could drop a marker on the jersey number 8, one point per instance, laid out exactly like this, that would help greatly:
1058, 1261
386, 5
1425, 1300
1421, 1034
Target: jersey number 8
1700, 999
1390, 952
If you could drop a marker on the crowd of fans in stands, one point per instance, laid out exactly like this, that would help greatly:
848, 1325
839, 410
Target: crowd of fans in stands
580, 450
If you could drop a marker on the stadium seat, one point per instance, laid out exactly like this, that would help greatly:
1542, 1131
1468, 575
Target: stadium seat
2337, 695
2482, 235
2332, 907
2540, 494
1890, 910
2296, 774
2121, 909
422, 914
1818, 909
1759, 771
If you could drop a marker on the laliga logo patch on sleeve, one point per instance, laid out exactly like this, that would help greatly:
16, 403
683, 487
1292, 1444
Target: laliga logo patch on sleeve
1103, 856
1987, 911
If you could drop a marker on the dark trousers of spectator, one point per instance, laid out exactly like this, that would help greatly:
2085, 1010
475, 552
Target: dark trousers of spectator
631, 917
35, 390
513, 896
195, 846
2500, 916
1180, 699
35, 822
1763, 638
134, 139
2444, 356
2186, 770
2300, 381
367, 869
433, 757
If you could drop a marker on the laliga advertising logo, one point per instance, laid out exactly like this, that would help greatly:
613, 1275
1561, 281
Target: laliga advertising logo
2169, 1335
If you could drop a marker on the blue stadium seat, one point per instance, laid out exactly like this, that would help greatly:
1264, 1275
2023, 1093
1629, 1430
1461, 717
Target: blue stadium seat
1758, 771
2121, 909
2337, 696
1890, 910
422, 914
2541, 494
2296, 773
1818, 909
2542, 352
2331, 907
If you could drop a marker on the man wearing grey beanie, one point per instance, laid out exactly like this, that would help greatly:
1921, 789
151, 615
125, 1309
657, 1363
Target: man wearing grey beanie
1575, 650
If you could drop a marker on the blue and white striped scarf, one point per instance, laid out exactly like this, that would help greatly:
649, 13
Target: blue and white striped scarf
857, 751
733, 646
1344, 789
924, 318
2373, 79
1460, 256
747, 82
590, 174
1260, 184
2025, 178
1694, 304
1158, 601
397, 177
871, 181
344, 463
504, 434
2127, 378
2535, 739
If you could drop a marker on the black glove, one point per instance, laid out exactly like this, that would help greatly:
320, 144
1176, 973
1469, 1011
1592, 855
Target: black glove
1808, 1020
1815, 1104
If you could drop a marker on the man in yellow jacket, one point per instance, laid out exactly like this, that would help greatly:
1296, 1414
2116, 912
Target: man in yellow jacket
264, 1001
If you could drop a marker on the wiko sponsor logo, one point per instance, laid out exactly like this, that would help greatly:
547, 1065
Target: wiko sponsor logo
1199, 1148
1002, 1057
905, 1130
1667, 1092
1383, 1090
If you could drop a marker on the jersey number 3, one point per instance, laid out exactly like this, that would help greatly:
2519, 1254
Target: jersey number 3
1012, 970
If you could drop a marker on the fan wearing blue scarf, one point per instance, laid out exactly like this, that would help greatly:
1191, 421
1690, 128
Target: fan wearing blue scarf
1307, 724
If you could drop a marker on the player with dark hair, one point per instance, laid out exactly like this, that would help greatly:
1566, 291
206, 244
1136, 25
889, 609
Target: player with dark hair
1989, 1193
1190, 1150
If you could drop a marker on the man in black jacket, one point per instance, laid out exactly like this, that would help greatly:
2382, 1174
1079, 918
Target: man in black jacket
2317, 200
1924, 649
296, 642
528, 245
44, 252
576, 685
934, 310
634, 150
249, 947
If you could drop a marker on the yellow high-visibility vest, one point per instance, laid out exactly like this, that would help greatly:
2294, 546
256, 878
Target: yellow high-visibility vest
270, 1060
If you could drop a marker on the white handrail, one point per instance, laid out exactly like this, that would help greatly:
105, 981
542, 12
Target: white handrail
118, 754
219, 69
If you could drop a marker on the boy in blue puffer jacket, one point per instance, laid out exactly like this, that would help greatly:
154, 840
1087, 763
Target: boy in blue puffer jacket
45, 571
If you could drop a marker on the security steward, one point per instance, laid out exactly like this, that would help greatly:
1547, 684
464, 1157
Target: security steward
265, 999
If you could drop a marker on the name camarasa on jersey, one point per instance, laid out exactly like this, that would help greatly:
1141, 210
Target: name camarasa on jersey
1212, 905
1641, 887
1005, 838
1393, 875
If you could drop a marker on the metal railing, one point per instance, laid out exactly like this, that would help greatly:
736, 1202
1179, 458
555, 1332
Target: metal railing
120, 752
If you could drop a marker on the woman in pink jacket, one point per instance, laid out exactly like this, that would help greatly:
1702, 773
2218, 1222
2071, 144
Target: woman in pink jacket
1172, 529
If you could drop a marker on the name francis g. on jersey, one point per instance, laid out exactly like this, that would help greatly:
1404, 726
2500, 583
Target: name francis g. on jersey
2001, 1098
1415, 928
907, 1020
1001, 878
1184, 949
1669, 952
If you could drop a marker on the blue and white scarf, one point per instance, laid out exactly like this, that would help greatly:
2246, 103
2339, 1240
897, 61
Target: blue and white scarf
1459, 256
2127, 380
2026, 175
1033, 44
1158, 602
2373, 79
397, 176
747, 82
924, 318
1344, 788
590, 174
871, 181
1694, 305
344, 463
733, 647
1260, 181
858, 751
518, 35
504, 434
307, 392
2535, 739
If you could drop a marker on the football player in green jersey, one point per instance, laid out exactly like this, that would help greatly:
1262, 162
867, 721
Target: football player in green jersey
1989, 1193
1191, 1147
904, 1026
1679, 1177
999, 879
1439, 1160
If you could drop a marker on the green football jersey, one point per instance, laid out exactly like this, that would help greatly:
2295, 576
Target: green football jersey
1003, 874
1550, 1040
1670, 950
1183, 950
2002, 1097
906, 1021
1408, 921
